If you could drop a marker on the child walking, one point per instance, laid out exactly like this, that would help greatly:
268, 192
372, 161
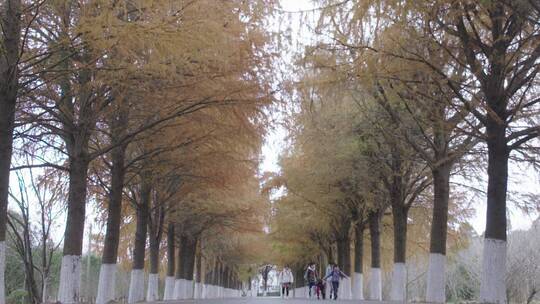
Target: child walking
335, 276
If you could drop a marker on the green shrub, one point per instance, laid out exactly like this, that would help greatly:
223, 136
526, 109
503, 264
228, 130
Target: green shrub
18, 296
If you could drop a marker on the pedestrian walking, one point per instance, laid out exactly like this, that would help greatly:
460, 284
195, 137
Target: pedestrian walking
321, 289
328, 284
286, 278
311, 277
335, 276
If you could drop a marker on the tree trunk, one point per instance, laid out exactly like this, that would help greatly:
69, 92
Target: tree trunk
358, 277
344, 254
70, 272
375, 290
344, 260
169, 280
153, 276
10, 21
155, 228
107, 273
399, 274
220, 279
136, 285
188, 257
493, 286
437, 258
198, 273
179, 281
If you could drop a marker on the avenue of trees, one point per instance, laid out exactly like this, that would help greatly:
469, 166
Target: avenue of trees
396, 104
146, 116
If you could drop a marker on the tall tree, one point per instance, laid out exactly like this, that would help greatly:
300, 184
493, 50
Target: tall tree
10, 50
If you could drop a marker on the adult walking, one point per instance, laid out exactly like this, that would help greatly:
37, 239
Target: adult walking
286, 278
328, 284
335, 276
311, 277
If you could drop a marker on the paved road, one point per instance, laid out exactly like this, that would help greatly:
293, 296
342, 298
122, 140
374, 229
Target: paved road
248, 300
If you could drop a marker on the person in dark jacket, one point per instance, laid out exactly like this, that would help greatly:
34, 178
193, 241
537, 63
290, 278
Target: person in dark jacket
335, 275
311, 277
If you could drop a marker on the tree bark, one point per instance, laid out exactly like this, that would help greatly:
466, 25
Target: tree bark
498, 154
493, 285
375, 235
179, 273
170, 250
441, 194
359, 248
78, 173
141, 231
344, 247
399, 216
154, 255
198, 268
9, 86
114, 209
358, 277
399, 273
344, 254
437, 259
155, 228
189, 245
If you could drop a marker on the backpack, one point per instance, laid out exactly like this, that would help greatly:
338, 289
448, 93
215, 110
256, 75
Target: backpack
311, 275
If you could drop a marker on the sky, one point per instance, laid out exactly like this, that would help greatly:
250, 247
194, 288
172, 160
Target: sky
522, 179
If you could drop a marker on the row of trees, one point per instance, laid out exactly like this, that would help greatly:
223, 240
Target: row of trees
151, 112
394, 98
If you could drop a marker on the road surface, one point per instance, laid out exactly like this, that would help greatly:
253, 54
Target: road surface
250, 300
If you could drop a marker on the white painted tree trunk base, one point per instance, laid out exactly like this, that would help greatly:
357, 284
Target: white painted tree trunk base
493, 286
204, 290
152, 291
344, 292
70, 279
197, 291
210, 293
179, 289
375, 284
168, 293
136, 286
188, 285
399, 283
358, 286
436, 282
2, 272
106, 284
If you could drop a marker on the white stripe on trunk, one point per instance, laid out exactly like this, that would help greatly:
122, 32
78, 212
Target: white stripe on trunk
346, 285
197, 291
436, 283
358, 289
106, 284
399, 282
136, 286
2, 272
168, 294
70, 279
152, 291
493, 287
179, 289
204, 290
188, 285
375, 284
